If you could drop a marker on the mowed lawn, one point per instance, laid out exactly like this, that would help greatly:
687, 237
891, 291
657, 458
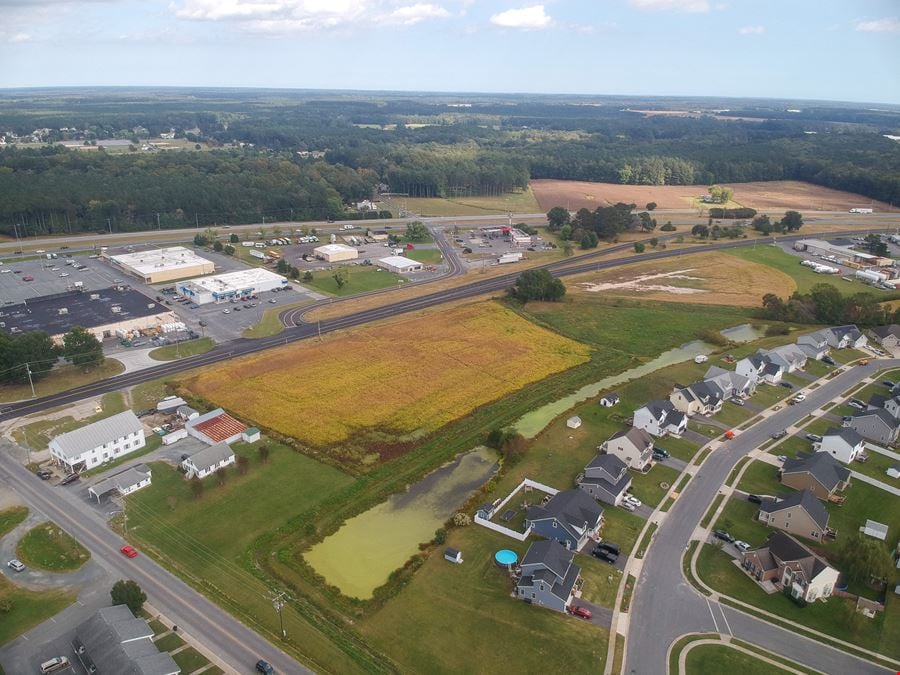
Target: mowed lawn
461, 619
48, 547
426, 256
29, 608
412, 375
711, 658
358, 279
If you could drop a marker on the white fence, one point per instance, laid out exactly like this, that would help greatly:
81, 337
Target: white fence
518, 536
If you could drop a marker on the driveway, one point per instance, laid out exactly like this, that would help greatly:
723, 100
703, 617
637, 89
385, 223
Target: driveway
675, 463
695, 437
602, 615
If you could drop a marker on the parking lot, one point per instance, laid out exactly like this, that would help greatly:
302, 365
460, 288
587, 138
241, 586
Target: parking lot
52, 276
486, 250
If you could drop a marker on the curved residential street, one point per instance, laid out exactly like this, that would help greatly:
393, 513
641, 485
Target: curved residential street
665, 606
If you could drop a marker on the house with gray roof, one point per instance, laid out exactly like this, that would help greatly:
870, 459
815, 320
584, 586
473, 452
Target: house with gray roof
114, 641
634, 447
814, 345
876, 423
887, 336
845, 337
819, 472
732, 383
799, 513
123, 483
789, 357
660, 418
844, 444
791, 565
757, 368
606, 478
571, 517
207, 461
549, 577
99, 442
700, 398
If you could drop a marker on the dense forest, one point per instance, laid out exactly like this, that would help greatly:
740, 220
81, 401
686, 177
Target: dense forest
304, 155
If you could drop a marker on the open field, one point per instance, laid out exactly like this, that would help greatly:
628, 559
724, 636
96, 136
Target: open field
511, 202
705, 278
11, 517
61, 379
446, 606
724, 659
449, 364
770, 196
29, 608
47, 547
426, 256
359, 279
179, 351
37, 435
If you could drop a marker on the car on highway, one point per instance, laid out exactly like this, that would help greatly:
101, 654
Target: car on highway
264, 667
237, 309
799, 398
54, 665
742, 546
63, 274
28, 277
273, 301
16, 565
815, 438
724, 536
582, 612
129, 551
634, 501
5, 271
779, 434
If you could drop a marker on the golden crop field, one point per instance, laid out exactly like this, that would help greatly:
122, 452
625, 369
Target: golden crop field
409, 376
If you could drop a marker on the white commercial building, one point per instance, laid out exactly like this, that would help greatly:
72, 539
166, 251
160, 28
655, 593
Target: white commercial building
335, 253
224, 287
99, 442
160, 265
399, 264
206, 461
123, 483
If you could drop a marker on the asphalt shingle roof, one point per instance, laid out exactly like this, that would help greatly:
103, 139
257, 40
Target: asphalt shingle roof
804, 499
206, 458
551, 554
823, 467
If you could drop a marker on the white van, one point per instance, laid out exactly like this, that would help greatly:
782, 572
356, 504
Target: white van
55, 664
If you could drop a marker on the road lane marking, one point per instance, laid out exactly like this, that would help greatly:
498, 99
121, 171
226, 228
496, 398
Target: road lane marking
725, 618
712, 616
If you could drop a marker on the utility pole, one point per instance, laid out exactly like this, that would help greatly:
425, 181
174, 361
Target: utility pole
109, 225
30, 381
197, 221
278, 604
158, 226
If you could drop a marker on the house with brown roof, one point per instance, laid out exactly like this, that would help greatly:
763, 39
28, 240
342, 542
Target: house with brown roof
819, 472
799, 513
791, 565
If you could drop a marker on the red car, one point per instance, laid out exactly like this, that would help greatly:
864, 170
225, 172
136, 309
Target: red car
129, 551
583, 612
28, 277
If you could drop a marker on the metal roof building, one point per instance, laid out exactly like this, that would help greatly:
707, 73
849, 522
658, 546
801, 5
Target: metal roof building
399, 264
335, 252
224, 287
74, 444
160, 265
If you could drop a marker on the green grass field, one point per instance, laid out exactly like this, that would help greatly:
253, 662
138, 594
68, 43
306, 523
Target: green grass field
724, 659
179, 351
648, 486
271, 321
11, 517
512, 202
761, 479
29, 608
426, 256
360, 279
739, 519
47, 547
60, 379
461, 618
38, 435
190, 660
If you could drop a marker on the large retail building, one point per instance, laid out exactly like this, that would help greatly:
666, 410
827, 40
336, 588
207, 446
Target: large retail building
224, 287
159, 265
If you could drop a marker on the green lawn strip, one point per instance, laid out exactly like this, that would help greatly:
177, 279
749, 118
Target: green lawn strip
733, 415
157, 626
679, 448
626, 595
445, 606
152, 442
147, 394
702, 456
47, 547
820, 426
792, 446
183, 349
711, 511
707, 430
796, 380
876, 467
737, 468
739, 519
679, 645
725, 659
271, 321
646, 540
863, 502
38, 435
11, 517
426, 256
29, 608
359, 279
848, 355
621, 527
749, 423
61, 378
169, 643
835, 616
818, 368
618, 655
686, 567
761, 478
601, 581
648, 487
775, 657
190, 660
768, 395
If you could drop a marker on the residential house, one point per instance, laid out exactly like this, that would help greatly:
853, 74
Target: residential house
799, 513
98, 442
790, 357
609, 400
206, 461
814, 345
844, 444
123, 483
570, 517
700, 398
634, 447
877, 423
660, 418
114, 641
549, 577
819, 472
757, 368
731, 383
606, 478
792, 565
887, 336
844, 337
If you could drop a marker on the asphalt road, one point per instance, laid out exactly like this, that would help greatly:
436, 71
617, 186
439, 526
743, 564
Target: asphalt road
302, 331
217, 629
665, 606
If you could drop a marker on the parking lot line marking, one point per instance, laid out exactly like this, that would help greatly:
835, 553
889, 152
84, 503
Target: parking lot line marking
712, 616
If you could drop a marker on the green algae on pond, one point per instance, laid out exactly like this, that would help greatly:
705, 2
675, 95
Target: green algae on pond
361, 555
531, 424
746, 332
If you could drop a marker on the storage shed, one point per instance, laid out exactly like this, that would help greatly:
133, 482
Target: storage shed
452, 555
875, 530
573, 422
609, 400
250, 435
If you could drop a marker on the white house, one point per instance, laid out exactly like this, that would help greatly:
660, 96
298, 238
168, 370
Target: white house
634, 447
98, 442
843, 337
814, 345
789, 357
660, 418
609, 400
207, 461
843, 444
124, 483
757, 368
730, 382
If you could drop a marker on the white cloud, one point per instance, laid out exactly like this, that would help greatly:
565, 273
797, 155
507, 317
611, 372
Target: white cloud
294, 13
890, 24
19, 37
526, 18
693, 6
413, 14
751, 30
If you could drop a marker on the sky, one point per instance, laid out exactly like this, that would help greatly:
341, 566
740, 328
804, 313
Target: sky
796, 49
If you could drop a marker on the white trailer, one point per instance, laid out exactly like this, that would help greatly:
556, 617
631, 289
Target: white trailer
248, 244
257, 254
870, 277
859, 210
507, 258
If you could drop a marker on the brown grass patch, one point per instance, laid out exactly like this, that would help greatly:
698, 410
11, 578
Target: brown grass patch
712, 279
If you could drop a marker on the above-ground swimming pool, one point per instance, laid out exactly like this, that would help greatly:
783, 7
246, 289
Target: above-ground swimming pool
505, 557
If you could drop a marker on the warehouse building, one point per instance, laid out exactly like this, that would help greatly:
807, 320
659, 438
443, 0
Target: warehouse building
98, 442
160, 265
110, 312
399, 264
842, 254
224, 287
335, 253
